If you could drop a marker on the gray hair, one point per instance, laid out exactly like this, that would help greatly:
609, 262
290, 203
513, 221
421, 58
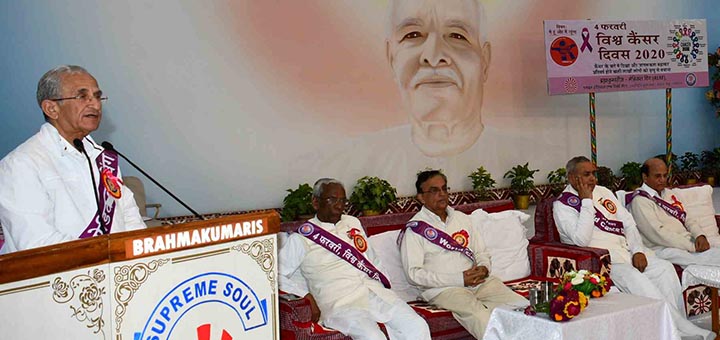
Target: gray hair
319, 186
482, 24
572, 163
50, 85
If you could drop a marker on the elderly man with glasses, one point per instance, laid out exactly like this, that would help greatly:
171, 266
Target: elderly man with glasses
346, 290
443, 254
60, 185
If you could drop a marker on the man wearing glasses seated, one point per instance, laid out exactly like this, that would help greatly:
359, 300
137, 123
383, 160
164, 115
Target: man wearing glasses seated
345, 289
60, 185
444, 255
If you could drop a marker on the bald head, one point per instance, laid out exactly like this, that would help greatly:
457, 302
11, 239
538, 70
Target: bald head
654, 174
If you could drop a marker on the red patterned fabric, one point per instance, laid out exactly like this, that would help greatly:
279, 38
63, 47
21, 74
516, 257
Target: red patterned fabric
401, 205
549, 257
381, 223
545, 227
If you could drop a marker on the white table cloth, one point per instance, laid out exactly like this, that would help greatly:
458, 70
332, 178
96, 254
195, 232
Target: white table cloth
615, 316
700, 275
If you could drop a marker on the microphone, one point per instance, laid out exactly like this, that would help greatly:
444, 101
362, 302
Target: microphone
80, 147
110, 147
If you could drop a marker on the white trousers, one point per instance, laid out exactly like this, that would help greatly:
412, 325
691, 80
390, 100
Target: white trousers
684, 258
471, 307
658, 281
401, 321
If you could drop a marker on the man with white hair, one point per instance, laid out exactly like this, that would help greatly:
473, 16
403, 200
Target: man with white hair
345, 289
440, 57
60, 185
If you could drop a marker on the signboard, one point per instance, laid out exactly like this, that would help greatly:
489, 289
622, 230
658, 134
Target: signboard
585, 56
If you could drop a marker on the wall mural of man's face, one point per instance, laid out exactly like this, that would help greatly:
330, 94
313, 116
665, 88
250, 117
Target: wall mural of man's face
440, 63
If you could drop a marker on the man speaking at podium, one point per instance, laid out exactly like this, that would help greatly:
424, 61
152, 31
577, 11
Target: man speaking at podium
60, 185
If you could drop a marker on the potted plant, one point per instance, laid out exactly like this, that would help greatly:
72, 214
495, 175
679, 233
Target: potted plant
298, 203
521, 183
632, 175
710, 160
482, 182
557, 180
689, 163
372, 195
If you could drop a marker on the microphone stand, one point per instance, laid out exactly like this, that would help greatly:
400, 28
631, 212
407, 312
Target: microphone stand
109, 146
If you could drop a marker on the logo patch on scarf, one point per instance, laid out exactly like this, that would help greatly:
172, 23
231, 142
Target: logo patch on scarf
461, 237
609, 206
677, 203
358, 240
573, 201
431, 234
112, 183
306, 229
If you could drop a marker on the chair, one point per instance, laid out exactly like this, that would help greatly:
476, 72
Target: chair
546, 235
136, 186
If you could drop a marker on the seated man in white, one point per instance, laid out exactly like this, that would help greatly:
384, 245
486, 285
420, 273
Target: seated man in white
589, 215
444, 255
663, 222
346, 291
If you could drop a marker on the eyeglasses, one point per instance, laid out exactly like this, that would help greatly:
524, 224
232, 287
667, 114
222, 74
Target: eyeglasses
335, 200
85, 97
436, 190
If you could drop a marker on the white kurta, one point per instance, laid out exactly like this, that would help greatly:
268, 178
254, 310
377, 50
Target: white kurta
666, 235
658, 281
46, 193
433, 269
579, 228
438, 272
349, 300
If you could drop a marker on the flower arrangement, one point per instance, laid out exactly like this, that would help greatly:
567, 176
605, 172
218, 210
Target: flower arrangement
572, 295
567, 304
713, 95
591, 284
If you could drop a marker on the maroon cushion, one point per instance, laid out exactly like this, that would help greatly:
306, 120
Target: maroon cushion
545, 227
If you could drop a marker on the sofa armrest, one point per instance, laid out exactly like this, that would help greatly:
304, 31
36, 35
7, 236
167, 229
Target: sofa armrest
552, 260
295, 322
295, 309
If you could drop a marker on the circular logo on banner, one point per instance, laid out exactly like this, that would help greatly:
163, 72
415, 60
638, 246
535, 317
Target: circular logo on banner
431, 234
306, 229
573, 201
571, 85
564, 51
685, 44
690, 79
360, 243
609, 206
248, 308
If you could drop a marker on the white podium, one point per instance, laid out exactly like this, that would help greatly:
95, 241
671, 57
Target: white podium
204, 280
